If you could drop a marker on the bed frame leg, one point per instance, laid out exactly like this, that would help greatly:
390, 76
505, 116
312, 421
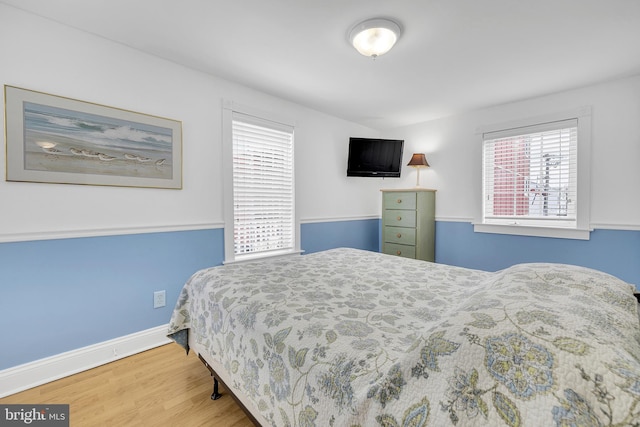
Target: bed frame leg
215, 395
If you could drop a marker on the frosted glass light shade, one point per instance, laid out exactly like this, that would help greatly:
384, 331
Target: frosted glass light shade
374, 37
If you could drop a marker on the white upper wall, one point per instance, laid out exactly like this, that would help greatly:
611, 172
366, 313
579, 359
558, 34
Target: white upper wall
45, 56
453, 150
42, 55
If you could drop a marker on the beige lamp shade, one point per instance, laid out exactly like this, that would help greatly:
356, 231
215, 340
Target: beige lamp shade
418, 161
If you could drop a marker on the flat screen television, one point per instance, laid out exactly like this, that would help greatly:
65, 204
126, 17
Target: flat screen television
375, 157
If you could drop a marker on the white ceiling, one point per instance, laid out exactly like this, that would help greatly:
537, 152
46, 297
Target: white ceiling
454, 55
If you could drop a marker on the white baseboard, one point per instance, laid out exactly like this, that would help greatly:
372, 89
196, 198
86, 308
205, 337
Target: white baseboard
33, 374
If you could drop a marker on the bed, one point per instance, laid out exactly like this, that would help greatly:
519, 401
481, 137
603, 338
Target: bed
348, 337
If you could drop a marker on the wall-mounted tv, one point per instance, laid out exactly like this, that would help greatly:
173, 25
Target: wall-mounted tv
375, 157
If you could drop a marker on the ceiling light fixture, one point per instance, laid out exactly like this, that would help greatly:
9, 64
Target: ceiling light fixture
374, 37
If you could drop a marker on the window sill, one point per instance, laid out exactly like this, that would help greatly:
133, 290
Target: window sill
263, 256
526, 230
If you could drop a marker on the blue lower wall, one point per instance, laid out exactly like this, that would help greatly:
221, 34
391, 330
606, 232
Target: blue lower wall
61, 295
320, 236
616, 252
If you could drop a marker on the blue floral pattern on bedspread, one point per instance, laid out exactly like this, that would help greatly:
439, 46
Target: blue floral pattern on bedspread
354, 338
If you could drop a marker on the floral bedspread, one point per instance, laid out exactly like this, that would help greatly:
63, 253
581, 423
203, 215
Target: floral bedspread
354, 338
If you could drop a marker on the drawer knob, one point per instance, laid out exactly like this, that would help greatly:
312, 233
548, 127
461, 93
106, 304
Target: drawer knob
398, 252
399, 201
399, 218
399, 235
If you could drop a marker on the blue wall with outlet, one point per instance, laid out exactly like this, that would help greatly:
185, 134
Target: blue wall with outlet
61, 295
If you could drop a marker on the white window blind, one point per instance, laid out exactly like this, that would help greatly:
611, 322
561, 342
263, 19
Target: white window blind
263, 186
530, 175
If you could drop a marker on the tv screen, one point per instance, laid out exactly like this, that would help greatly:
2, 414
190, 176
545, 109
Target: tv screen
374, 157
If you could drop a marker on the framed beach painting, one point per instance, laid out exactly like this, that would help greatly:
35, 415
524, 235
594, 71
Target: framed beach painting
55, 139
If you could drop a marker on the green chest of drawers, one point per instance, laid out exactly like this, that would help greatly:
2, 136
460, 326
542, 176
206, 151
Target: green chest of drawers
408, 223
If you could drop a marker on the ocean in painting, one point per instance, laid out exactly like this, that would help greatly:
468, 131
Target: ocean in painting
60, 140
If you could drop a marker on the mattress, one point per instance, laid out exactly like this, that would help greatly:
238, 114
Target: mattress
355, 338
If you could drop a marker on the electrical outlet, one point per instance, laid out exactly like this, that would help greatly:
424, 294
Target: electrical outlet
159, 299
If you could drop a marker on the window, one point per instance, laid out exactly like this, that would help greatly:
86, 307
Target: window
533, 179
262, 189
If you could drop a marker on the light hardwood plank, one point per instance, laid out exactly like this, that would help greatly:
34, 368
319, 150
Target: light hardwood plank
159, 387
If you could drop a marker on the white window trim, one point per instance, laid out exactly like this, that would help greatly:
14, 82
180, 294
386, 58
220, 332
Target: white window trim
228, 108
583, 228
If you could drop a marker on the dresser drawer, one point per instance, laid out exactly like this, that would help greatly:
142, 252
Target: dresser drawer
408, 223
400, 218
399, 200
400, 250
402, 235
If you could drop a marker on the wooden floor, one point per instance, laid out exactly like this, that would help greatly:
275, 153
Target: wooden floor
159, 387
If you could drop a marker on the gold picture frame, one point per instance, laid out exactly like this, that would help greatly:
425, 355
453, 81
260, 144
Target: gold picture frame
54, 139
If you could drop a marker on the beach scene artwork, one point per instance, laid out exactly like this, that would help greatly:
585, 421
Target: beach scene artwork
60, 140
55, 139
